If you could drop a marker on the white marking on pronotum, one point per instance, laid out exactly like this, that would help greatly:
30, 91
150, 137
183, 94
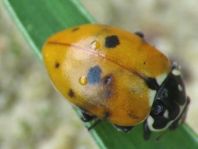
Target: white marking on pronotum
152, 94
165, 114
176, 72
150, 120
180, 88
161, 78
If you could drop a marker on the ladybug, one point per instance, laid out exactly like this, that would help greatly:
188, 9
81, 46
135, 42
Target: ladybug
111, 74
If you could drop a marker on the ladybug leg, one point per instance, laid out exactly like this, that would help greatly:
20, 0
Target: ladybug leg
147, 132
85, 117
88, 119
97, 121
123, 128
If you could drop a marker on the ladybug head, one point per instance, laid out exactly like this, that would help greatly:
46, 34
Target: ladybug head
170, 102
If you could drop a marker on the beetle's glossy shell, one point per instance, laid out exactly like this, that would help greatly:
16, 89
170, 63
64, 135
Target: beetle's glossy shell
99, 68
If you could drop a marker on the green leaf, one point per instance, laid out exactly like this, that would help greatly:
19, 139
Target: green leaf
38, 19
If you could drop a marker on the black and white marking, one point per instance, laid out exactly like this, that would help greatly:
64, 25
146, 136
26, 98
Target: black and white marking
111, 41
169, 103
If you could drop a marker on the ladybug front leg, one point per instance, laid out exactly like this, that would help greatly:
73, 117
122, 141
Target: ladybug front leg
147, 132
85, 117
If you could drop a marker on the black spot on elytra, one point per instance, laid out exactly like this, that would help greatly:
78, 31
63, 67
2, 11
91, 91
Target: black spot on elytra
111, 41
75, 29
107, 80
57, 65
140, 34
71, 93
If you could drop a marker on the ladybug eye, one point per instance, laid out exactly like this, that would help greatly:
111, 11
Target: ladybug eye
158, 108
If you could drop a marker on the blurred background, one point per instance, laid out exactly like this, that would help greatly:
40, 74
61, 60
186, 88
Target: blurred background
34, 116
